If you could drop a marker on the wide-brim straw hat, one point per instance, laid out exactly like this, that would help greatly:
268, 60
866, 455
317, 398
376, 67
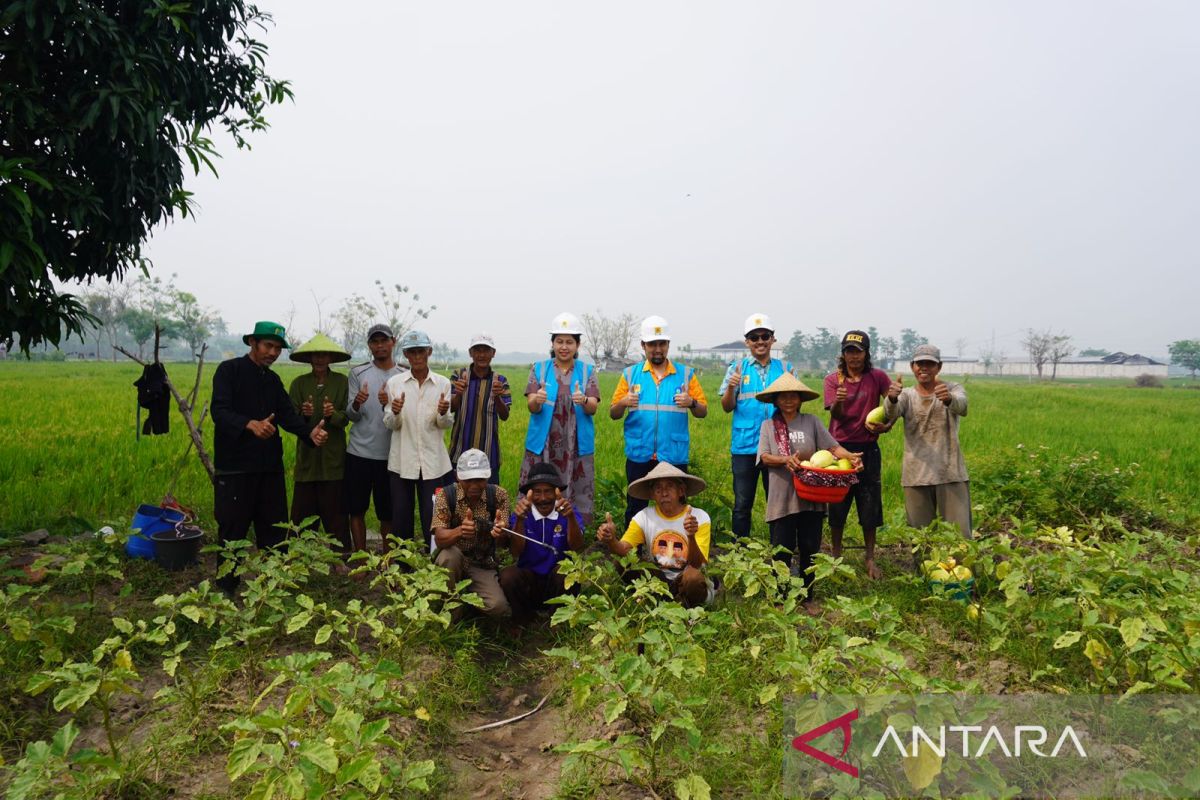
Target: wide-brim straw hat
643, 488
787, 382
319, 344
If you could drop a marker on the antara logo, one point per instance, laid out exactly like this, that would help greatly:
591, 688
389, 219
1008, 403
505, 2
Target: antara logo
801, 742
1032, 737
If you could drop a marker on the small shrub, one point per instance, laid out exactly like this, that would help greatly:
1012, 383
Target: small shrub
1147, 381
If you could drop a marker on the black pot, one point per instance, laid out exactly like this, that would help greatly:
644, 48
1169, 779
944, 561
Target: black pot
177, 547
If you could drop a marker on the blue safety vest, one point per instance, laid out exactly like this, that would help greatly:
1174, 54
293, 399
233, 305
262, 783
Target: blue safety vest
749, 413
657, 428
539, 423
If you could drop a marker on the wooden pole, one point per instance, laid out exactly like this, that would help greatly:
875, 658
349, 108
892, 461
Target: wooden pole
185, 406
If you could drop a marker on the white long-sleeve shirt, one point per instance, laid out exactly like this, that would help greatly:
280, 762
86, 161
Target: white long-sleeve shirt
418, 448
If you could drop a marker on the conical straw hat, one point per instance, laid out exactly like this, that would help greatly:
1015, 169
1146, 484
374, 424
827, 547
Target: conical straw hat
787, 382
319, 344
643, 488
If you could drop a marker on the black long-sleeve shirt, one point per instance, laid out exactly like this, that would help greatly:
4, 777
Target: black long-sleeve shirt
244, 391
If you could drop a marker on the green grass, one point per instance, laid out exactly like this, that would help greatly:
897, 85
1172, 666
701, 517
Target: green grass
70, 456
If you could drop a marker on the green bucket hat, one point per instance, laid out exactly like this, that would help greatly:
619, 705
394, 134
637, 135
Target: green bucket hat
319, 344
267, 330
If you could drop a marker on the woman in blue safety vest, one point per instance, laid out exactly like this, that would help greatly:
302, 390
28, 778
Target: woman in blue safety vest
563, 395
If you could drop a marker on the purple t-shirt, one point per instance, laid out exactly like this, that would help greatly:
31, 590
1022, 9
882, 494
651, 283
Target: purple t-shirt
551, 531
861, 398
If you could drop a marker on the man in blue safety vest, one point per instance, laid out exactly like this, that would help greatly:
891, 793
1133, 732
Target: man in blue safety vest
745, 378
657, 395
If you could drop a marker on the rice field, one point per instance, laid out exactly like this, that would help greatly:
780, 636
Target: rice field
70, 455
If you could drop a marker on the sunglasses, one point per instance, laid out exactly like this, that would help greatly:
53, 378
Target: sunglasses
759, 337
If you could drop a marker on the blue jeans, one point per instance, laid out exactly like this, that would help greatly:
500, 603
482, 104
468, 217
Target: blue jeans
746, 475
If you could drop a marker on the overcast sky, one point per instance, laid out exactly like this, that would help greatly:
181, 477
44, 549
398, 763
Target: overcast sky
959, 168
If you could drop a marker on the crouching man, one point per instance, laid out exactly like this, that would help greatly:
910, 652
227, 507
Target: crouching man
676, 535
552, 526
468, 520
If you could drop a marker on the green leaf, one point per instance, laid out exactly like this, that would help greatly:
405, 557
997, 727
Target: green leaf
75, 695
614, 709
323, 634
1067, 639
1132, 629
123, 625
299, 621
355, 767
319, 753
693, 787
242, 757
60, 745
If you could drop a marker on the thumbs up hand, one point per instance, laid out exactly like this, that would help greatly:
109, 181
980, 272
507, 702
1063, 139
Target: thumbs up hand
942, 392
327, 408
382, 397
841, 390
459, 382
443, 405
577, 395
562, 504
262, 428
306, 408
319, 435
467, 526
540, 395
682, 398
524, 502
361, 397
896, 387
734, 385
498, 525
606, 530
690, 524
397, 402
498, 387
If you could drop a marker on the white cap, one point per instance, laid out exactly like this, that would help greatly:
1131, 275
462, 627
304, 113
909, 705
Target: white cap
482, 338
566, 322
473, 464
756, 321
655, 329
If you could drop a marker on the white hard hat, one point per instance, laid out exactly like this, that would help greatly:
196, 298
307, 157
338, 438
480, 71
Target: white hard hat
756, 321
566, 322
655, 329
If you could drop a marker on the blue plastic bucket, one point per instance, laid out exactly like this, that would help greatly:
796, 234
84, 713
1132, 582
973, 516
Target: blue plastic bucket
149, 520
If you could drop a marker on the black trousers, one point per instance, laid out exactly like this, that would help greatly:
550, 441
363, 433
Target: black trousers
746, 475
415, 494
245, 499
322, 499
799, 533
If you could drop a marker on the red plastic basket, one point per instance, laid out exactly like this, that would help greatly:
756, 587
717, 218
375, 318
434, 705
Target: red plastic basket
823, 485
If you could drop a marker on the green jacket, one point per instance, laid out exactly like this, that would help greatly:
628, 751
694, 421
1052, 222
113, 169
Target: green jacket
327, 462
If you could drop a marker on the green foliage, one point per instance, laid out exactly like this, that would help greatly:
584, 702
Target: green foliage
99, 104
1186, 353
1042, 486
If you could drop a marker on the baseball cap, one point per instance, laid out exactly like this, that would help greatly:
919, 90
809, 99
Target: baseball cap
756, 321
484, 339
926, 352
380, 328
857, 339
414, 339
473, 464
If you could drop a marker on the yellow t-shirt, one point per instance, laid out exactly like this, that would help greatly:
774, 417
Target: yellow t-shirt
668, 541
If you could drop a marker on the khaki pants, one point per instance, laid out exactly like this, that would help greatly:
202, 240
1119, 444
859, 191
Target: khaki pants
485, 581
950, 501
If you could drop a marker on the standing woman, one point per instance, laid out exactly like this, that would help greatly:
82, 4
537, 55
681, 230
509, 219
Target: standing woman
563, 396
785, 439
